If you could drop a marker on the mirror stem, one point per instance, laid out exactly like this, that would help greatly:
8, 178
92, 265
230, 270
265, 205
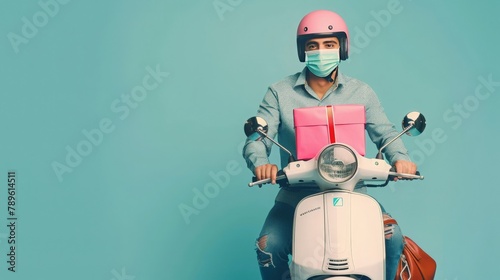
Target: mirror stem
379, 155
291, 158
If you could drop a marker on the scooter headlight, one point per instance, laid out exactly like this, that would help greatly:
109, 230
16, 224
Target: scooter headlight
337, 163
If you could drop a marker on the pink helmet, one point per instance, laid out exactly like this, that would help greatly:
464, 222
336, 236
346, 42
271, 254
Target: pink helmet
322, 23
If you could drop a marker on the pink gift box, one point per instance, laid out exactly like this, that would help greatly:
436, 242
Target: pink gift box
316, 127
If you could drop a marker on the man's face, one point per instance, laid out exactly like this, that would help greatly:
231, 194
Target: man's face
322, 44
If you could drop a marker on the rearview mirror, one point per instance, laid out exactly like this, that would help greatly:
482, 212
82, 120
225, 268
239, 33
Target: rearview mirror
255, 128
413, 125
417, 122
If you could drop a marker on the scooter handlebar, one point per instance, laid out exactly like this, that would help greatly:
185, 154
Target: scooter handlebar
281, 176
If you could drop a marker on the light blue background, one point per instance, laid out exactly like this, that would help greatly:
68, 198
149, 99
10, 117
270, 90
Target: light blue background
116, 215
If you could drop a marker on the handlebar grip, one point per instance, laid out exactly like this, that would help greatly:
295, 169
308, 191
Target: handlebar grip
404, 176
260, 182
280, 177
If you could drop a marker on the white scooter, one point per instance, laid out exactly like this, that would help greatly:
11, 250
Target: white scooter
338, 233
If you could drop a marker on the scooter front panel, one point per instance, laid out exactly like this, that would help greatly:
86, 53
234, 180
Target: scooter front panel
338, 233
308, 250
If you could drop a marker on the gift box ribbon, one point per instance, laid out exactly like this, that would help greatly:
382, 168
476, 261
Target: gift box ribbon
329, 112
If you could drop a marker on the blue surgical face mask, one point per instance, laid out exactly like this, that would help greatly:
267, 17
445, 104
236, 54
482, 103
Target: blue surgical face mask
322, 62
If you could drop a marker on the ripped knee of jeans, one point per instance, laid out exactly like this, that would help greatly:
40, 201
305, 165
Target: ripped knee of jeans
388, 228
265, 258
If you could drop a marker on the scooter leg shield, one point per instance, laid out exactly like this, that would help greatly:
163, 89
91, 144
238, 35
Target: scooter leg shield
338, 233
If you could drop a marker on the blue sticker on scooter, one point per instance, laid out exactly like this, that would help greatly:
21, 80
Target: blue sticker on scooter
338, 201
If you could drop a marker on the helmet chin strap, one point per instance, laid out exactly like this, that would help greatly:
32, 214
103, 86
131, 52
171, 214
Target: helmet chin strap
329, 76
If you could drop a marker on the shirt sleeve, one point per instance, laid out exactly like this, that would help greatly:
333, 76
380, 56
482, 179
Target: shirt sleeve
381, 130
257, 153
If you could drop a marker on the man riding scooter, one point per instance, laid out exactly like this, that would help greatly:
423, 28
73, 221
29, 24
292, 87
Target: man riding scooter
322, 43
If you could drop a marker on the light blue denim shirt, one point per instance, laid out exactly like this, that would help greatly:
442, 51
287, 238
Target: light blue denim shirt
293, 92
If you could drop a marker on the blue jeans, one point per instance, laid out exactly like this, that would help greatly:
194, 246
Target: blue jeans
274, 244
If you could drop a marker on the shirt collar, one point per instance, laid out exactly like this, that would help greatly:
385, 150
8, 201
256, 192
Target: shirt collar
301, 80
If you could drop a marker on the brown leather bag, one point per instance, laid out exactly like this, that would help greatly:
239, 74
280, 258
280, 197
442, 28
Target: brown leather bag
415, 263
